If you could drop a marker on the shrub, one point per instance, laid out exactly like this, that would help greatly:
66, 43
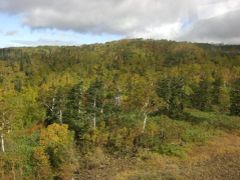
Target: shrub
172, 150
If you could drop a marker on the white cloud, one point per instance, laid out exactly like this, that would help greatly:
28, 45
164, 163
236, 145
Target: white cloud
47, 42
165, 31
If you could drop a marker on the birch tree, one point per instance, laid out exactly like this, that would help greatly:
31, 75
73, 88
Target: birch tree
5, 127
95, 100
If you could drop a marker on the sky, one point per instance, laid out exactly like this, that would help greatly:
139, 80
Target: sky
76, 22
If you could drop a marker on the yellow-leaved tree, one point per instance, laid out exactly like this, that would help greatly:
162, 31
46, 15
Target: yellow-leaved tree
58, 145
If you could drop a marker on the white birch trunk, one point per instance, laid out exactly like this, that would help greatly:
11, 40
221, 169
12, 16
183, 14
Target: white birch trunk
94, 121
145, 114
60, 116
144, 122
2, 143
94, 116
2, 134
53, 104
79, 107
118, 101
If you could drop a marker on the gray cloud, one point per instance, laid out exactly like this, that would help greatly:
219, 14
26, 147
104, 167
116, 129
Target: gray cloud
207, 20
223, 29
11, 33
98, 16
8, 33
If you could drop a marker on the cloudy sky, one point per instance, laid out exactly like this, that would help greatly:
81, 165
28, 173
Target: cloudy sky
75, 22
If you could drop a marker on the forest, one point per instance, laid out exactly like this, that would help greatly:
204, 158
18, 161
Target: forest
73, 111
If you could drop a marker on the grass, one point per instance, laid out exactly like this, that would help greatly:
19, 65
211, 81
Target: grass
195, 130
174, 137
200, 145
213, 119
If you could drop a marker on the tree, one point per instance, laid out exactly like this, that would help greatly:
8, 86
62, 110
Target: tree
55, 101
220, 95
48, 100
217, 84
142, 97
5, 123
235, 98
75, 113
203, 95
18, 85
171, 89
224, 99
41, 164
57, 142
61, 101
95, 100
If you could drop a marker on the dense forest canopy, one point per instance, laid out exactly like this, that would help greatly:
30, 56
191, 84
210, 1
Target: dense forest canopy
59, 103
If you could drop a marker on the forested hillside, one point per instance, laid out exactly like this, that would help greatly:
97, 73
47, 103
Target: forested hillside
65, 109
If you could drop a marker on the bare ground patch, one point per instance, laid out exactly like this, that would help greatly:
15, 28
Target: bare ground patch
218, 159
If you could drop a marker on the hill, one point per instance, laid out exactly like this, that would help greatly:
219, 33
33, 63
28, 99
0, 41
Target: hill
71, 111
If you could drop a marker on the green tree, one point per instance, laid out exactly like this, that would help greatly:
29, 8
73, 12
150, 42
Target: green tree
75, 113
220, 95
55, 103
235, 98
171, 89
203, 95
95, 100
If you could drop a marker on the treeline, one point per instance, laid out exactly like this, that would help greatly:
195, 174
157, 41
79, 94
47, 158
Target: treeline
170, 95
58, 104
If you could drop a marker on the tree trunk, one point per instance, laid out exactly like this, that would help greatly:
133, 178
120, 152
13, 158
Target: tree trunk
94, 116
144, 122
2, 143
60, 117
13, 172
94, 121
79, 107
53, 103
144, 110
2, 135
118, 100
